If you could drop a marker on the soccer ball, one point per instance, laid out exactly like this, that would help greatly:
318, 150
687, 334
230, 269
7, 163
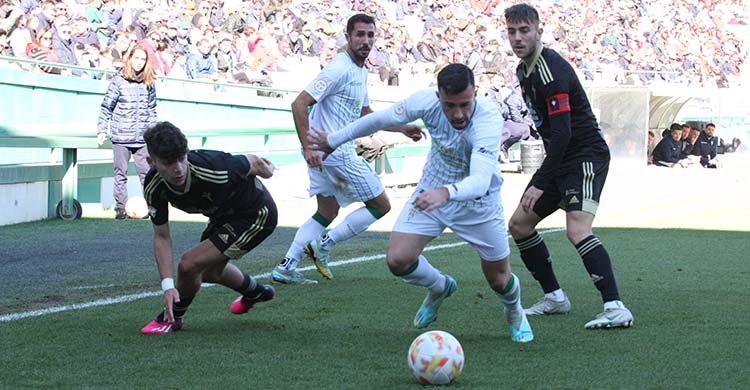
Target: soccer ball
136, 207
436, 358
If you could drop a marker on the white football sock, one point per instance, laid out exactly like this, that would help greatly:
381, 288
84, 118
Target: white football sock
310, 230
512, 298
613, 305
356, 222
426, 276
557, 295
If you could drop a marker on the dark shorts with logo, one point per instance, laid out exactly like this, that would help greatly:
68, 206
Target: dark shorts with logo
578, 188
236, 235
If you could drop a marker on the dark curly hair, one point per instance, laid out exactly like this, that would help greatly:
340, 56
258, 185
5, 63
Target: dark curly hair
166, 142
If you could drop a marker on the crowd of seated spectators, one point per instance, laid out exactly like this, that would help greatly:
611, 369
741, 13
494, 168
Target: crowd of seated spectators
623, 41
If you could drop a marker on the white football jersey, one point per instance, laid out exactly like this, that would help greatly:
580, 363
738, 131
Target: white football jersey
340, 90
451, 150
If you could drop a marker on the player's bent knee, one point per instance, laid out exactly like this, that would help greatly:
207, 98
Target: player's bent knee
187, 267
496, 273
398, 265
577, 235
518, 229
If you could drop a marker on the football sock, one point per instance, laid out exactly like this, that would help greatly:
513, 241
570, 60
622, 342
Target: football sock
598, 265
536, 257
326, 242
557, 295
425, 275
179, 308
613, 305
310, 230
355, 223
248, 286
510, 296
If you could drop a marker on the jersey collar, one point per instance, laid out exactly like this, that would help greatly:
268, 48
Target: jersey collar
538, 53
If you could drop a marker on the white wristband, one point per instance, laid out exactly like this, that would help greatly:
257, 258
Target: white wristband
167, 284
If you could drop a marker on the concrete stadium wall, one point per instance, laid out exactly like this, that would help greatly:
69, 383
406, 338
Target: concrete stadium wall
23, 202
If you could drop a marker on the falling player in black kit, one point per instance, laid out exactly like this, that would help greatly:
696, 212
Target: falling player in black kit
571, 176
241, 215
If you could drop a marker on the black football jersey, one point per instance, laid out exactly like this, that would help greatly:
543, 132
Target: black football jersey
561, 112
217, 186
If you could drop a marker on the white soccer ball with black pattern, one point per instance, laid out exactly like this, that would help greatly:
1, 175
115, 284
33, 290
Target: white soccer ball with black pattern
436, 358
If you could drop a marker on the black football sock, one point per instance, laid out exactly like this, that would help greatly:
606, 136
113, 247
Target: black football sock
536, 257
179, 308
248, 287
598, 265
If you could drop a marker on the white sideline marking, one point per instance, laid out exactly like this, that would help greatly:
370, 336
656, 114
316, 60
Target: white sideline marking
133, 297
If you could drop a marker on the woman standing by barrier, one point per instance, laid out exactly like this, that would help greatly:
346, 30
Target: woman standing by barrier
128, 109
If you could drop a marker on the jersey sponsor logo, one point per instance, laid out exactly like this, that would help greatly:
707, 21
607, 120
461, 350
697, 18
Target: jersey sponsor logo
320, 85
557, 104
487, 152
356, 110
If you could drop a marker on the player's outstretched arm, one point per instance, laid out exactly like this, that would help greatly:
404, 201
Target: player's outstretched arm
164, 262
260, 166
414, 132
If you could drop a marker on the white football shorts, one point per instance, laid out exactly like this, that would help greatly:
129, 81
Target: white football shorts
353, 181
483, 227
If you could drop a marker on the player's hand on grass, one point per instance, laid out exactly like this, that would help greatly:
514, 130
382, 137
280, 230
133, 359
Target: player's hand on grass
171, 297
318, 142
260, 166
529, 198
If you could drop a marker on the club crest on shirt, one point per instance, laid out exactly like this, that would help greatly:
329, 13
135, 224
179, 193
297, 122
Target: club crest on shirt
320, 85
400, 108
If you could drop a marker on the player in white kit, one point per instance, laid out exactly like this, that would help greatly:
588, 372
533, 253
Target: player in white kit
459, 189
338, 96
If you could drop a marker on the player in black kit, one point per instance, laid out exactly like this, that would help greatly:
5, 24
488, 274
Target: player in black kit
241, 214
571, 176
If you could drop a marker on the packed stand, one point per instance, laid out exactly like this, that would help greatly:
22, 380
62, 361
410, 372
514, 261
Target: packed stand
693, 42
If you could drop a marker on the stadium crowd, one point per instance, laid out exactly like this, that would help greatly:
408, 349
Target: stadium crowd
693, 42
